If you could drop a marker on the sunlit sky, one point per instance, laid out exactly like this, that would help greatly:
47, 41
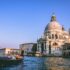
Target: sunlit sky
23, 21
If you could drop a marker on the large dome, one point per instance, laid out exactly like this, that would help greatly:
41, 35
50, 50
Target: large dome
53, 24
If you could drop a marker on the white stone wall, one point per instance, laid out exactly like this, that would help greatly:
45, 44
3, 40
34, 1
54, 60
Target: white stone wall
27, 47
2, 52
55, 34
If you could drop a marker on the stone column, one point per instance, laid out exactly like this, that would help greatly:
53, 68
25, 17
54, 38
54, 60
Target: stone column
51, 36
39, 47
44, 46
47, 48
58, 36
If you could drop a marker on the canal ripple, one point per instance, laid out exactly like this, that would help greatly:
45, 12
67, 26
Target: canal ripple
41, 63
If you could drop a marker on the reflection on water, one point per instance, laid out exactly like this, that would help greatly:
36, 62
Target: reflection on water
42, 63
58, 64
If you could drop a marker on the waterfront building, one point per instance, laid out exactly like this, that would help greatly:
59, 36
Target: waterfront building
53, 38
27, 47
9, 51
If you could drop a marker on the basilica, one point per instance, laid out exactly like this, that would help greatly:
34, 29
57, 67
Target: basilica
54, 37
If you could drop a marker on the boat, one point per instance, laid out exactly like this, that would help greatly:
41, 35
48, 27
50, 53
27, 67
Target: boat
8, 61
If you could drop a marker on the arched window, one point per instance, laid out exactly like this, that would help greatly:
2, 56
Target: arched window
52, 36
55, 44
49, 36
56, 36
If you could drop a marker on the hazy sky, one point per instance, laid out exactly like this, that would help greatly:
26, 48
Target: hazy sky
24, 21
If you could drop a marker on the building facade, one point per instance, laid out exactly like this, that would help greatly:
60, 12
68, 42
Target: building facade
9, 51
53, 38
27, 47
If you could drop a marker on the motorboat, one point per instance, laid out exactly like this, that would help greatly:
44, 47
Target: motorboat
10, 60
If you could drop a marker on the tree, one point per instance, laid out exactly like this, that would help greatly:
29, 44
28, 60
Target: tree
34, 48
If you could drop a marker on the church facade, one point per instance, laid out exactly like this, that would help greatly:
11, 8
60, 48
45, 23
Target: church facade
53, 38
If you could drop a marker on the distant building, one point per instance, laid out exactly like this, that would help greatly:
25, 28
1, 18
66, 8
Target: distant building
8, 51
27, 47
53, 38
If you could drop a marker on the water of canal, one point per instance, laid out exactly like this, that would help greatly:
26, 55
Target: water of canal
42, 63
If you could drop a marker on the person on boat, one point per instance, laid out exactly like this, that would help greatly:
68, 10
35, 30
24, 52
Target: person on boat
18, 56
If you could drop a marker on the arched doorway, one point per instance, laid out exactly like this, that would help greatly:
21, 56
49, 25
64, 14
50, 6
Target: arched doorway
55, 44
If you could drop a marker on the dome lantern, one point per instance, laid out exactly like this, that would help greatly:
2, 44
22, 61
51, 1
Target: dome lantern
53, 18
